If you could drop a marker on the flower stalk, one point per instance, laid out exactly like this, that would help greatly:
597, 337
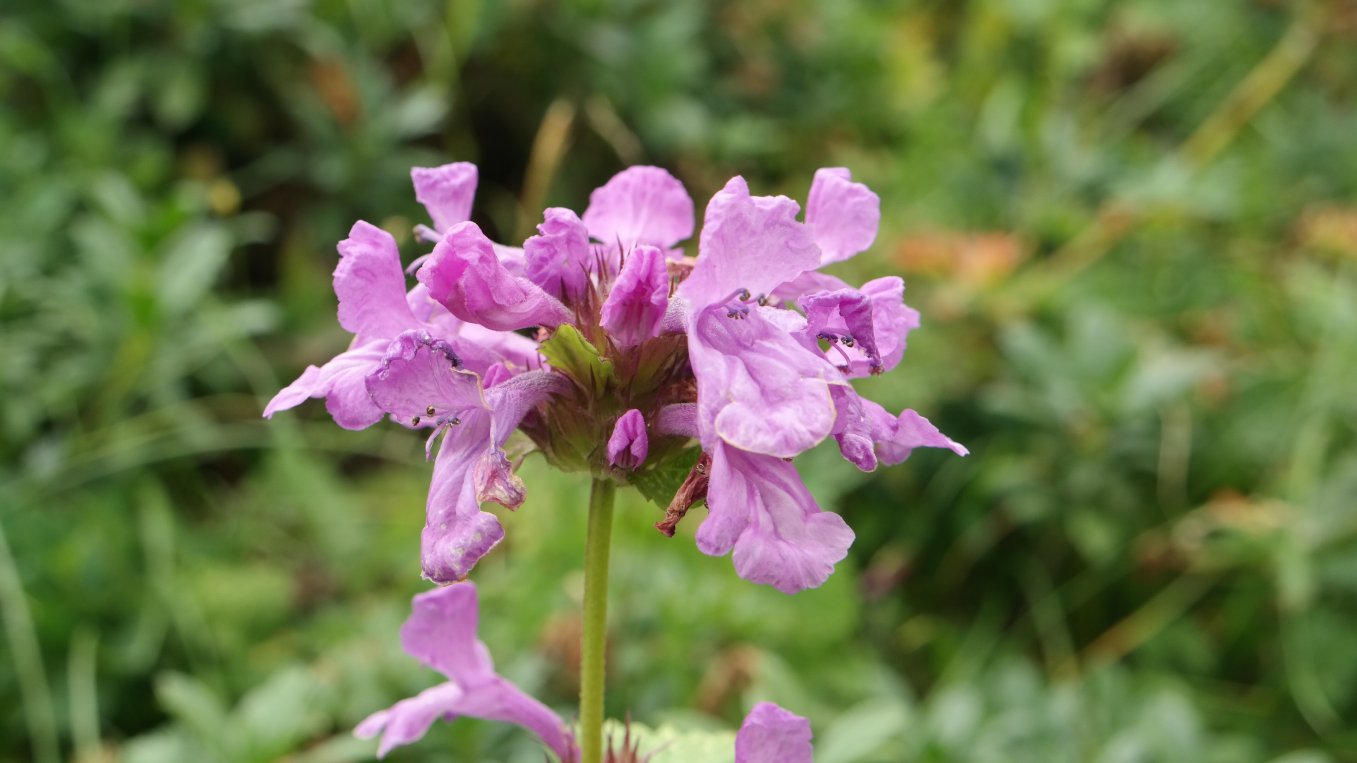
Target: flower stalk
594, 636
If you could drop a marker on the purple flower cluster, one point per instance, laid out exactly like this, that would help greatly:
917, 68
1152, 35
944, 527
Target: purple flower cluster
746, 348
614, 352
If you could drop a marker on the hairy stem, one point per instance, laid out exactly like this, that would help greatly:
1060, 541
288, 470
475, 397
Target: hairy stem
594, 638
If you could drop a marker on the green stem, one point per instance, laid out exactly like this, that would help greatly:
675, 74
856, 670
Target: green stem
23, 643
594, 638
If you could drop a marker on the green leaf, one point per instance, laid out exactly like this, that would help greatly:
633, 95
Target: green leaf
659, 483
570, 353
286, 710
863, 731
195, 706
190, 265
656, 362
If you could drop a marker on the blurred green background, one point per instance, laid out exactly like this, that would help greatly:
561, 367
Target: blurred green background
1131, 228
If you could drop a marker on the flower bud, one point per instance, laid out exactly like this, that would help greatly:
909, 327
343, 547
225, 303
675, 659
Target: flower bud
639, 298
629, 445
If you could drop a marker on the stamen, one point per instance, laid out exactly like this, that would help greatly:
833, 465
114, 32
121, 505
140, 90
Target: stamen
737, 312
440, 426
429, 411
847, 340
414, 422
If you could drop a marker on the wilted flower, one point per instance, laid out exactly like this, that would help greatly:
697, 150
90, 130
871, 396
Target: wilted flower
613, 351
441, 634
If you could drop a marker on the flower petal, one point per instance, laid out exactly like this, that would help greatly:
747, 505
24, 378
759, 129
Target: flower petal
370, 284
677, 419
639, 298
457, 533
770, 734
806, 282
896, 436
342, 382
446, 192
513, 398
868, 434
760, 508
558, 257
409, 720
496, 481
748, 242
501, 701
869, 326
480, 348
629, 445
892, 319
420, 378
853, 429
757, 387
843, 215
441, 633
302, 388
640, 205
466, 276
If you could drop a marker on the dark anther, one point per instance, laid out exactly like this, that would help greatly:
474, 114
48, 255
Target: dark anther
762, 300
828, 337
429, 411
736, 312
788, 459
847, 341
744, 294
414, 422
455, 421
693, 489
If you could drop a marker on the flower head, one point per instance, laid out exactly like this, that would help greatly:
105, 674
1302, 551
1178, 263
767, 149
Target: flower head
615, 354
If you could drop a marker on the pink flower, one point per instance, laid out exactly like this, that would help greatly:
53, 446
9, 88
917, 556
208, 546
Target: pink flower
420, 380
446, 192
441, 634
772, 349
558, 258
770, 734
629, 445
640, 205
638, 299
765, 390
465, 275
375, 307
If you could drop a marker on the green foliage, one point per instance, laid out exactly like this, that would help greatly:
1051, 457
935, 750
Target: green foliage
569, 352
1130, 227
